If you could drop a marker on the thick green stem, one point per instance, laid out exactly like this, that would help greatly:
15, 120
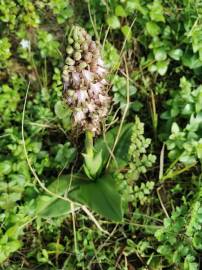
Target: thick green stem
89, 143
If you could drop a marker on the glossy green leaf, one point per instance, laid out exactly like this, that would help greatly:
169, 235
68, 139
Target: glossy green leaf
120, 11
132, 5
153, 29
160, 54
156, 11
5, 167
176, 54
162, 67
101, 196
113, 22
10, 247
191, 60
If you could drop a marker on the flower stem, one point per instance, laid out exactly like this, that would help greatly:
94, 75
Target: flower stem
89, 143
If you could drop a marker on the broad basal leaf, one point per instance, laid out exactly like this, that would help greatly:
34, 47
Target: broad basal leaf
51, 206
101, 196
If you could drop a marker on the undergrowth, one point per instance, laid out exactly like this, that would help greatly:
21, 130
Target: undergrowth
144, 209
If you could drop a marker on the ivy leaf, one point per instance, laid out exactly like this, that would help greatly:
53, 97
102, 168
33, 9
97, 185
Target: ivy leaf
101, 196
191, 60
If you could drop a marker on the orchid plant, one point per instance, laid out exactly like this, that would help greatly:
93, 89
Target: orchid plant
86, 94
86, 91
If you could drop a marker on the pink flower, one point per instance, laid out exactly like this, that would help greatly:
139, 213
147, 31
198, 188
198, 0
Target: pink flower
91, 107
87, 75
69, 100
101, 71
76, 78
100, 62
104, 99
96, 88
82, 96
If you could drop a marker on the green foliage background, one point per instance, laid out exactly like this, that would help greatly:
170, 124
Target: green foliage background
153, 50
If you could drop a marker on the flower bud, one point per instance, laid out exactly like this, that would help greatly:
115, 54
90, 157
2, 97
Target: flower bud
88, 57
69, 61
70, 40
84, 46
69, 50
77, 56
77, 46
82, 65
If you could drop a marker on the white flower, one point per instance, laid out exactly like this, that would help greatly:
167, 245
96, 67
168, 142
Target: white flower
88, 76
25, 44
91, 107
101, 71
79, 116
96, 88
100, 62
104, 99
104, 82
69, 100
82, 96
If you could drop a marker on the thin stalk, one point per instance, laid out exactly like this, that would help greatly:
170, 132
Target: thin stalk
89, 143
